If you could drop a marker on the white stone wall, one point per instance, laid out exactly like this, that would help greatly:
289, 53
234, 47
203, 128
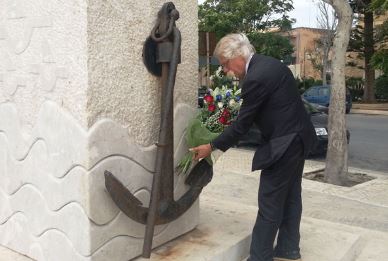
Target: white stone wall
75, 100
43, 56
117, 30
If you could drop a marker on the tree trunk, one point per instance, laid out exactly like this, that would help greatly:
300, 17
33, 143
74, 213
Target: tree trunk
369, 92
337, 153
324, 64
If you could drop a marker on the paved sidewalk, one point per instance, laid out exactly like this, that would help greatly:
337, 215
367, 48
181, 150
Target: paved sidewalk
357, 216
375, 108
371, 112
338, 223
370, 106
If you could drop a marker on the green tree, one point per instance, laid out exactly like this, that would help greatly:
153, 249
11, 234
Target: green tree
251, 17
382, 87
271, 44
227, 16
366, 41
379, 4
380, 57
380, 61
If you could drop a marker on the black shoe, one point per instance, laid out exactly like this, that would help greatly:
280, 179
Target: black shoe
287, 256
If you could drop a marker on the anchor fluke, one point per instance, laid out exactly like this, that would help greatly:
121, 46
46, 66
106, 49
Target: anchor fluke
200, 175
124, 199
168, 210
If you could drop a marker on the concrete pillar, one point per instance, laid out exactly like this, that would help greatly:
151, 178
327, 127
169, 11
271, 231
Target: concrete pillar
75, 100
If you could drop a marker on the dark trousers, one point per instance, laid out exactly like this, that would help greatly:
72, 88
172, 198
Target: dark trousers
280, 205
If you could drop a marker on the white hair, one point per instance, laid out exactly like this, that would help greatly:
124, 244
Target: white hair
234, 45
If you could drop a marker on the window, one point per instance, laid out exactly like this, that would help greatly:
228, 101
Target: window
312, 92
323, 91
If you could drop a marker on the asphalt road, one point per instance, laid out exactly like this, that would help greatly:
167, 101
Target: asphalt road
368, 148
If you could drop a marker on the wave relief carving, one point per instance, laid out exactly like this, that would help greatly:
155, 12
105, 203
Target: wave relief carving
52, 186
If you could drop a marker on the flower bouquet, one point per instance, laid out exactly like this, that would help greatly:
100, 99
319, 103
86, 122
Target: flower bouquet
220, 108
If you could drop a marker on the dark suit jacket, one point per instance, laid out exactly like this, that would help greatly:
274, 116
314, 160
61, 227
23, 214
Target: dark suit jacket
272, 101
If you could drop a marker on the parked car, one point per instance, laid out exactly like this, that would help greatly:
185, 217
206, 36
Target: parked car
319, 108
319, 120
321, 95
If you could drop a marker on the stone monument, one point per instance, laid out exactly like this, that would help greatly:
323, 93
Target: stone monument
75, 100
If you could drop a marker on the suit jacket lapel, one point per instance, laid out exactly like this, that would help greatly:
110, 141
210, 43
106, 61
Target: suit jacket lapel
254, 59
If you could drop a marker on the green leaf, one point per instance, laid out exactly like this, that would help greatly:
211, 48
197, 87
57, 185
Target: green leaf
227, 16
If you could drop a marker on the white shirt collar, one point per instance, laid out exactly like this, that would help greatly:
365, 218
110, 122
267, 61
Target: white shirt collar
247, 63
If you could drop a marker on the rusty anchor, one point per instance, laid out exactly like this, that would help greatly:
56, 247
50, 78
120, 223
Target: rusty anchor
161, 56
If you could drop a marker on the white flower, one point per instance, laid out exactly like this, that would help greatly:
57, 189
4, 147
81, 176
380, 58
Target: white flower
220, 105
216, 91
219, 70
232, 102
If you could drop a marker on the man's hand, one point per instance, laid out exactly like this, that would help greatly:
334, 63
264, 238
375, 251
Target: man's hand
201, 151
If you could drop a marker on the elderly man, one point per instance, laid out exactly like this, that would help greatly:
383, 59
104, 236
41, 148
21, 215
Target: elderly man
270, 100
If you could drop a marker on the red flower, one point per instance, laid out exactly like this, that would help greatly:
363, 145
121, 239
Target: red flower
223, 120
211, 107
208, 98
225, 113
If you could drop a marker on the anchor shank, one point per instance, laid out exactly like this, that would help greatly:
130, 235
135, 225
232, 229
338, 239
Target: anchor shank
160, 181
163, 180
167, 182
166, 137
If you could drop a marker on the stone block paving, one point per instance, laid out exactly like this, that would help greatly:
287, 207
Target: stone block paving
357, 216
338, 223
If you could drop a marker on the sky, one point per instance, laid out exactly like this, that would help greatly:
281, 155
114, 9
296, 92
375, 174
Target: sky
305, 12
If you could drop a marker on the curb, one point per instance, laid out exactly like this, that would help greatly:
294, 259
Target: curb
371, 112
